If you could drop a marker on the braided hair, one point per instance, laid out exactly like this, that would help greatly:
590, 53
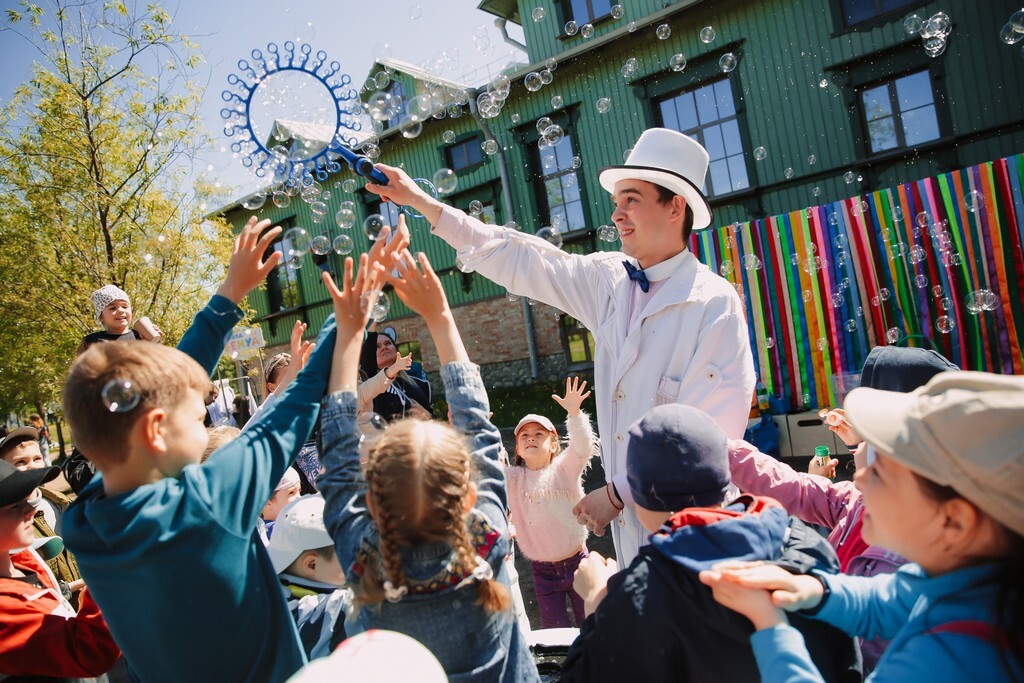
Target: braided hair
418, 476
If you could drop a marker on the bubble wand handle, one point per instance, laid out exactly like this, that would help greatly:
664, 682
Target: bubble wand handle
361, 165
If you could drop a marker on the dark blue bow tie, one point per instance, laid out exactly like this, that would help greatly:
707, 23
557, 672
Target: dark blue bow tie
639, 275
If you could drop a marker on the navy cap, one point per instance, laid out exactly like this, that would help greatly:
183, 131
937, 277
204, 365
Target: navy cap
677, 458
903, 369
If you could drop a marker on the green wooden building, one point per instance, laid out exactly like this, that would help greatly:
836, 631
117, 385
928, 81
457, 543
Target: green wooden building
799, 103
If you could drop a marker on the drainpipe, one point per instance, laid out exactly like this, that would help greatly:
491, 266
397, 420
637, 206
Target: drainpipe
500, 24
506, 202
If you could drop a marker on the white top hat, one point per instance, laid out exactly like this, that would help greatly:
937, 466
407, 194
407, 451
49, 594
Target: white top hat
670, 159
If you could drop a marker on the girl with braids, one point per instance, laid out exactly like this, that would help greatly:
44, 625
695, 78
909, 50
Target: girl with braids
942, 487
420, 527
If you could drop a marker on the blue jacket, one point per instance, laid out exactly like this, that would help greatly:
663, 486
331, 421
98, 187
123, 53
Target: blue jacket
471, 644
658, 622
905, 607
184, 583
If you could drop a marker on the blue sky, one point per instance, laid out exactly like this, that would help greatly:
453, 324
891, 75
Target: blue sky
350, 32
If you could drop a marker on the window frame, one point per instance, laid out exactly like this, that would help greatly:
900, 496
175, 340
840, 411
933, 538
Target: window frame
871, 23
403, 112
462, 140
537, 176
571, 330
274, 288
566, 14
897, 114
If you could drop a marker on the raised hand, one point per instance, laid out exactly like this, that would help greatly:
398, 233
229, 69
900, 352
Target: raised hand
386, 253
248, 268
299, 351
350, 311
418, 286
402, 363
574, 396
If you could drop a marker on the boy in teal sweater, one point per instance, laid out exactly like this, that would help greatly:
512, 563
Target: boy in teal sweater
167, 545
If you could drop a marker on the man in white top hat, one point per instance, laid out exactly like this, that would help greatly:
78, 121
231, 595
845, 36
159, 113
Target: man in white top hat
666, 328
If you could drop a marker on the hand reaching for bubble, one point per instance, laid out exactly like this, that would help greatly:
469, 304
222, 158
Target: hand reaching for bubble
247, 268
575, 394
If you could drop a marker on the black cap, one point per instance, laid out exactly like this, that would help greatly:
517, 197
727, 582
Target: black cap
16, 485
16, 436
677, 458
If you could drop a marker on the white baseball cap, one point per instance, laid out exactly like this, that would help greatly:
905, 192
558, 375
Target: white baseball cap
375, 655
539, 419
299, 527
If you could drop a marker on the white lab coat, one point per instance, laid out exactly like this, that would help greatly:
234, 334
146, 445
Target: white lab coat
691, 345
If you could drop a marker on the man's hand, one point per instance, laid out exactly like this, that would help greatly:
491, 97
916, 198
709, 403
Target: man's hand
591, 580
403, 190
247, 268
574, 396
595, 511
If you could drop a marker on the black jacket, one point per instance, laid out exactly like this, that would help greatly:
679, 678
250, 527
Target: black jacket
389, 404
660, 623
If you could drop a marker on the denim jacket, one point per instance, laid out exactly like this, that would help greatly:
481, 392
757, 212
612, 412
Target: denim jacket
471, 643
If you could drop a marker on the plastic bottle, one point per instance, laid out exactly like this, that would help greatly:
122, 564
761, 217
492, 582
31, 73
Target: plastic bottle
762, 397
823, 456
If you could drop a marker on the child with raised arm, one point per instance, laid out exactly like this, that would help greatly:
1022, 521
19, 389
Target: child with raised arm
167, 545
543, 487
942, 487
422, 534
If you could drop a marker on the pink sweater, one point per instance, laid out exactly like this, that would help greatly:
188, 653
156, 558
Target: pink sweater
541, 501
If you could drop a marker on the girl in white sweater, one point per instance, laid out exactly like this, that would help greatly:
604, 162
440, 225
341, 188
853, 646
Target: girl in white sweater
543, 487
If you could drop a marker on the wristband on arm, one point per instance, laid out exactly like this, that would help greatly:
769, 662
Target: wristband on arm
825, 593
609, 488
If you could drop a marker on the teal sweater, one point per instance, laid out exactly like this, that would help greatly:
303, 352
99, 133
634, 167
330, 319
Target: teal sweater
186, 586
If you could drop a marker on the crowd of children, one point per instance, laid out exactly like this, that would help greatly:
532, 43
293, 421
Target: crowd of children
300, 546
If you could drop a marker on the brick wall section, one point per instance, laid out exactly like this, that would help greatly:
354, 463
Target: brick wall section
495, 337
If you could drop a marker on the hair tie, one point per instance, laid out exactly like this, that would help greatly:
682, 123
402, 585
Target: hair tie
393, 594
482, 571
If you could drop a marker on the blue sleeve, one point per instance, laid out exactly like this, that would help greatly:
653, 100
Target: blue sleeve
239, 478
205, 338
782, 656
870, 606
342, 483
465, 393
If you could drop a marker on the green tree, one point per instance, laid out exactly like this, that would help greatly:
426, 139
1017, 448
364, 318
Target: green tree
96, 154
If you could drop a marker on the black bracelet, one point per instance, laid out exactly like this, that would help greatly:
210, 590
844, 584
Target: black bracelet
851, 448
825, 593
616, 492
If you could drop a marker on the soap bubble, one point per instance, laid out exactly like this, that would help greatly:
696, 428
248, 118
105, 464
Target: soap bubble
515, 118
631, 26
840, 241
822, 343
842, 257
884, 294
255, 202
849, 177
616, 11
823, 83
838, 300
376, 303
630, 65
921, 281
297, 242
752, 262
807, 295
789, 172
945, 303
851, 325
934, 47
769, 342
476, 207
707, 35
281, 199
543, 123
917, 254
120, 395
944, 324
1017, 21
726, 268
973, 302
551, 235
371, 427
556, 102
989, 300
373, 225
533, 82
607, 233
587, 30
760, 153
490, 147
939, 26
937, 291
663, 32
913, 25
342, 244
383, 105
1009, 36
345, 217
318, 210
577, 162
546, 77
552, 136
727, 62
602, 105
538, 14
973, 201
571, 28
349, 185
448, 136
677, 61
320, 245
512, 225
893, 334
511, 297
445, 180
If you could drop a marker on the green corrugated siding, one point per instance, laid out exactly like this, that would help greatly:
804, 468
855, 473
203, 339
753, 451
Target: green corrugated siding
785, 48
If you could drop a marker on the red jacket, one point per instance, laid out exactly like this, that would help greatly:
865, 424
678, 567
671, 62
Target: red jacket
40, 634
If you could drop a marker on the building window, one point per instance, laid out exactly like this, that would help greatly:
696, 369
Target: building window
577, 341
559, 177
586, 11
465, 154
708, 114
900, 112
859, 11
397, 89
283, 290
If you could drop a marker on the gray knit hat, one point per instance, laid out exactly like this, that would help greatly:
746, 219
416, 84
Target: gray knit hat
102, 297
